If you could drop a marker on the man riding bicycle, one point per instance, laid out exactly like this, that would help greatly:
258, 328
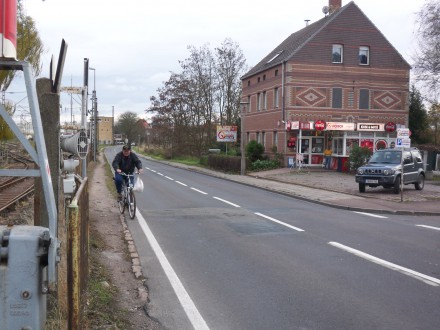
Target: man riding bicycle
125, 161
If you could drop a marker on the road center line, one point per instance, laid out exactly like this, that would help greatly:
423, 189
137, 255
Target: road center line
183, 184
169, 178
372, 215
188, 305
430, 227
406, 271
202, 192
225, 201
279, 222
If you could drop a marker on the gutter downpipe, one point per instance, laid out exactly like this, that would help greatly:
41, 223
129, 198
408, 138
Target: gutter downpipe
283, 76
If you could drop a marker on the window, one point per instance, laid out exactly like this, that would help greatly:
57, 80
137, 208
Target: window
258, 137
258, 102
264, 101
249, 104
364, 99
337, 53
276, 98
337, 98
364, 55
264, 139
264, 77
258, 79
249, 82
275, 139
276, 73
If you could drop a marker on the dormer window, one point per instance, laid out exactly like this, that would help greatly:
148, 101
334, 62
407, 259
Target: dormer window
275, 56
364, 55
337, 53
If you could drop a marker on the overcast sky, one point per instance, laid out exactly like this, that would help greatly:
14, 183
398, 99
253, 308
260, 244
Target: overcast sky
134, 44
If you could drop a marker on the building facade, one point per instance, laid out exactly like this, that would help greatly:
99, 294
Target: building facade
105, 130
334, 84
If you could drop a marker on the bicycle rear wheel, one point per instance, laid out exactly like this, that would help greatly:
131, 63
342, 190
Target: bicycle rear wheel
131, 204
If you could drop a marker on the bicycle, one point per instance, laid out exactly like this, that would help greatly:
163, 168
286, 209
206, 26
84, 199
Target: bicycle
128, 198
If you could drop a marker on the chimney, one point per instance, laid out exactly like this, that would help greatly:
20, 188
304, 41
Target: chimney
334, 5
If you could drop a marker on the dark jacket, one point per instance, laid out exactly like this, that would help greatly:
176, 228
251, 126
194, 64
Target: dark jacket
126, 164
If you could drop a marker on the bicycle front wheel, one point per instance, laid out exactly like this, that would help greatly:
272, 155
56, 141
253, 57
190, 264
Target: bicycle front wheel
131, 204
121, 205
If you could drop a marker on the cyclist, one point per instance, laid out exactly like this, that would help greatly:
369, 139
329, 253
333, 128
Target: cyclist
125, 161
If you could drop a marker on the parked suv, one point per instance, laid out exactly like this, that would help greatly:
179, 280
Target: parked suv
385, 169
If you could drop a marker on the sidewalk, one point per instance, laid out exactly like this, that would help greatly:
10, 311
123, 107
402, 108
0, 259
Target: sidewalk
338, 190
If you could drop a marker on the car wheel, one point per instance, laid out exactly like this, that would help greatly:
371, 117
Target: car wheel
420, 182
396, 188
362, 187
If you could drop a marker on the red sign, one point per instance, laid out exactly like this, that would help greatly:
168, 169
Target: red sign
320, 125
304, 125
8, 29
390, 126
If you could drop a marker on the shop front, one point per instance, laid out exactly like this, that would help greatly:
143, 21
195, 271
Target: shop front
310, 139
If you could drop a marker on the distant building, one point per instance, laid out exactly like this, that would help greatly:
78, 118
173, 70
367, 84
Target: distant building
335, 83
105, 130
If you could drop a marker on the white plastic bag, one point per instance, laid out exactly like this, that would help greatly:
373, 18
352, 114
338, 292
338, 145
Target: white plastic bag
138, 185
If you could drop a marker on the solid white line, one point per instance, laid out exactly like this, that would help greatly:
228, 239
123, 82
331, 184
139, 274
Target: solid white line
430, 227
419, 276
188, 305
279, 222
225, 201
202, 192
183, 184
371, 215
169, 178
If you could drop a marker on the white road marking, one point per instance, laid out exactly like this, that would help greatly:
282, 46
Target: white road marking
169, 178
188, 305
279, 222
160, 174
406, 271
153, 171
430, 227
202, 192
183, 184
225, 201
372, 215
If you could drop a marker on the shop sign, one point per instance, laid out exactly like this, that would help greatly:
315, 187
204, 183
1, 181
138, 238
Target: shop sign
335, 126
320, 125
390, 126
294, 125
305, 125
370, 127
226, 133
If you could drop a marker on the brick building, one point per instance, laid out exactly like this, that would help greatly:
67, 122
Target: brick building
335, 83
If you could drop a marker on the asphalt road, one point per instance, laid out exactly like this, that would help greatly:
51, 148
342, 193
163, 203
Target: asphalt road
220, 255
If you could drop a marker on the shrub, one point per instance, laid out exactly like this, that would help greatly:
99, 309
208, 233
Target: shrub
263, 165
358, 157
254, 151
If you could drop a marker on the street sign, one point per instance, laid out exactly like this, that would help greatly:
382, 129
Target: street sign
403, 142
403, 133
72, 90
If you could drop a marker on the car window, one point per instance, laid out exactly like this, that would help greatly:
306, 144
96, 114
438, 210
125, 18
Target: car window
417, 156
407, 158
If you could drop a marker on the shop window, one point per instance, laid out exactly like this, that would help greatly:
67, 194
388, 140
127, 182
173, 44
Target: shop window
364, 99
337, 98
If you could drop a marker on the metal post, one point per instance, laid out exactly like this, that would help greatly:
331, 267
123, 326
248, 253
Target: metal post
95, 115
242, 144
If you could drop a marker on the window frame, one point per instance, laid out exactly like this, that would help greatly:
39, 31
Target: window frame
340, 49
363, 49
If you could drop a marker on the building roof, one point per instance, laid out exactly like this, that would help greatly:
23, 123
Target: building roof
297, 40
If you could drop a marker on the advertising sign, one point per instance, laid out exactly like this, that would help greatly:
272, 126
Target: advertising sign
334, 126
226, 133
370, 127
8, 29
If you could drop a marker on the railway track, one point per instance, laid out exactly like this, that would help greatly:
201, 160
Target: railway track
13, 189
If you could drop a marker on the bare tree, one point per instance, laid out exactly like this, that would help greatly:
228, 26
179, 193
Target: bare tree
427, 61
128, 126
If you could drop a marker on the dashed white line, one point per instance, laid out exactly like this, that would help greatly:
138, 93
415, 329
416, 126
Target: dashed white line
372, 215
225, 201
419, 276
202, 192
429, 227
160, 174
188, 305
181, 183
279, 222
169, 178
